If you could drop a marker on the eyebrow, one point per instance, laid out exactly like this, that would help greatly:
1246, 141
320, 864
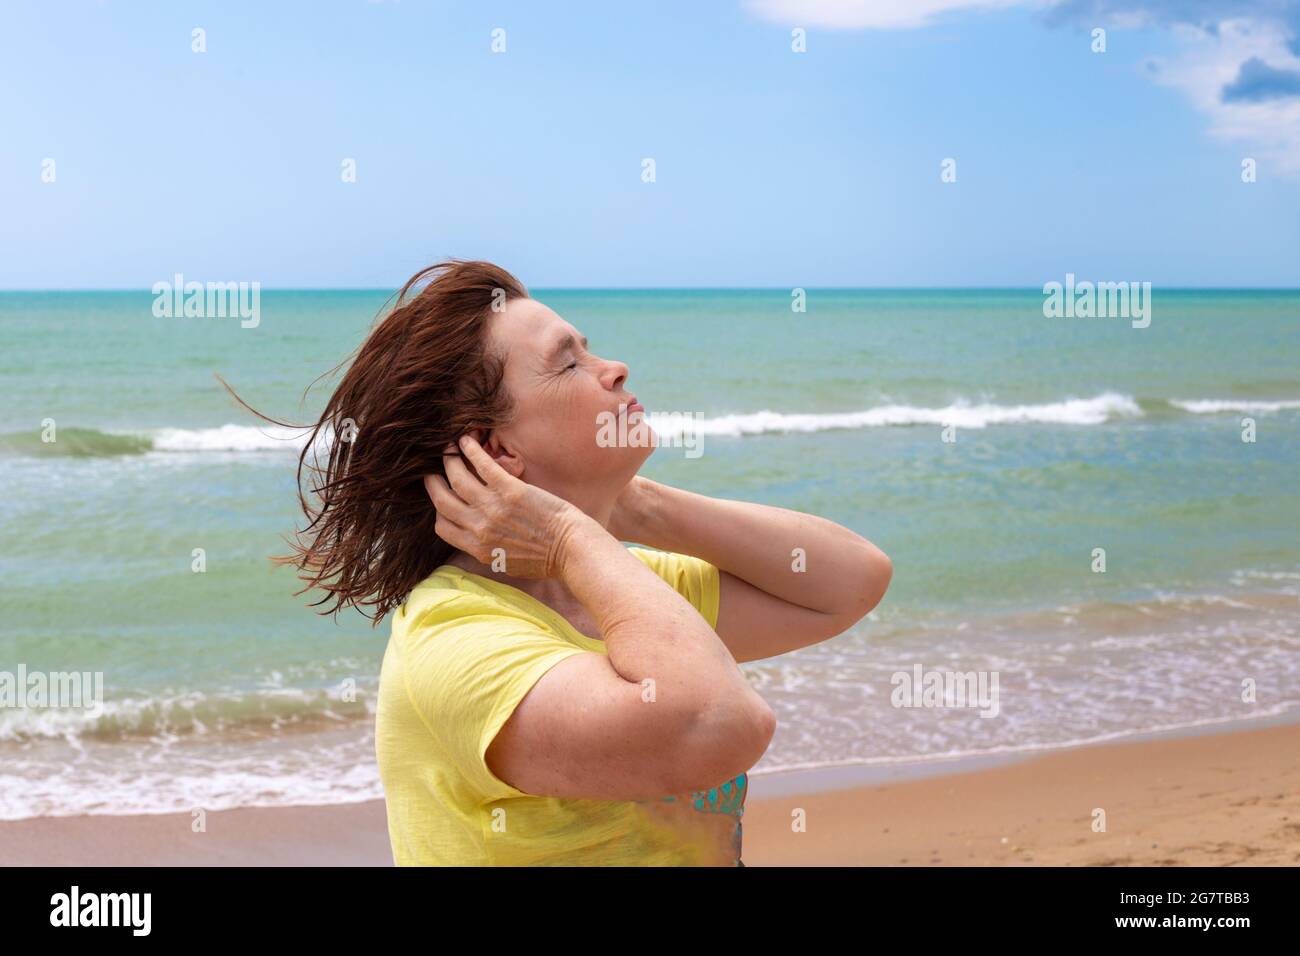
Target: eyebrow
565, 343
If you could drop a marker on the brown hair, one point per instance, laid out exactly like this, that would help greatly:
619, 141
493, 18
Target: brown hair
423, 377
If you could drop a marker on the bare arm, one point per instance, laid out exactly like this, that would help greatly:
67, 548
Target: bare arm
666, 709
788, 579
653, 633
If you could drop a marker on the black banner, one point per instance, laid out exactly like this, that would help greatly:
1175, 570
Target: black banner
332, 906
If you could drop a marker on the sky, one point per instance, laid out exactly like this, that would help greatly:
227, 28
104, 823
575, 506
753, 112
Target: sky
126, 156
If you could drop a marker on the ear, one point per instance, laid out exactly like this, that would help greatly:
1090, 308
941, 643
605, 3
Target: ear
504, 456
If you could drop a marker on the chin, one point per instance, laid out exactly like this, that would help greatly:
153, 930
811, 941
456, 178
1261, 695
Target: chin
628, 463
617, 463
640, 454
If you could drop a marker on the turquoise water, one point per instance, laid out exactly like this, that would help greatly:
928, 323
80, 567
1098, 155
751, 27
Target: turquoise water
1071, 434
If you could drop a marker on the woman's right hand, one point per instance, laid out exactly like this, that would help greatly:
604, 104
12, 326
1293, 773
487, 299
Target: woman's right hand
513, 527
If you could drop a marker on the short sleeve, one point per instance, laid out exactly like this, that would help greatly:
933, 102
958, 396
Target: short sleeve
466, 675
693, 578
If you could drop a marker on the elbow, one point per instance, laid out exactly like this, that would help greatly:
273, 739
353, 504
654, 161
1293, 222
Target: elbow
870, 582
766, 730
753, 737
724, 749
758, 731
879, 572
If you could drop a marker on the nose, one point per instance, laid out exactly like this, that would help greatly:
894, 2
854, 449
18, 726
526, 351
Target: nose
615, 374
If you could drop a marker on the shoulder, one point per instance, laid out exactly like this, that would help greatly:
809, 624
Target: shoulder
693, 578
465, 660
466, 655
452, 614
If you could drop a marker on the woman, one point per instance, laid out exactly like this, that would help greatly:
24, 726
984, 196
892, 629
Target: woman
548, 695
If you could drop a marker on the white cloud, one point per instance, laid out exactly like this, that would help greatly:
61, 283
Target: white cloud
1209, 59
1269, 130
866, 14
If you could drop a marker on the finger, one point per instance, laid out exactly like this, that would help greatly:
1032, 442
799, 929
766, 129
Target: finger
446, 501
461, 479
452, 533
487, 468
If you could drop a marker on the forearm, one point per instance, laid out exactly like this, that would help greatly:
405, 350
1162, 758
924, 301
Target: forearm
653, 633
801, 558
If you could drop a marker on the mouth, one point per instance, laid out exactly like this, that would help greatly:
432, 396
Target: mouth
632, 405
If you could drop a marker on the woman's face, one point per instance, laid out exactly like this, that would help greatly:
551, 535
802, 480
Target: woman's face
572, 433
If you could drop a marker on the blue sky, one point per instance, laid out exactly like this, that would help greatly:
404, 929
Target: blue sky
772, 168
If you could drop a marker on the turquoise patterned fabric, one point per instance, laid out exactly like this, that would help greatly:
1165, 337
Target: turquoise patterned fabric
728, 798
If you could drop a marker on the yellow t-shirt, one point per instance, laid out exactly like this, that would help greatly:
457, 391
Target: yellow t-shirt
464, 651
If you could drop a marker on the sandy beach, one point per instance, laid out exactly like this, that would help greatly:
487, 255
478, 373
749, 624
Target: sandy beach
1223, 798
1218, 799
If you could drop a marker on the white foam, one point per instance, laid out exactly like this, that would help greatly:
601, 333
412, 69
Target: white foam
163, 716
963, 414
230, 438
1213, 406
320, 769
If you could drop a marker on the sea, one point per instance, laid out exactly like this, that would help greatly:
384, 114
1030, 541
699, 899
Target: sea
1104, 516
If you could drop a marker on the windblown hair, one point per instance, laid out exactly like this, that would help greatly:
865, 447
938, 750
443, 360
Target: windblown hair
424, 376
